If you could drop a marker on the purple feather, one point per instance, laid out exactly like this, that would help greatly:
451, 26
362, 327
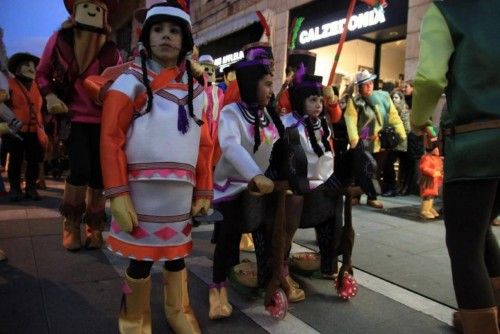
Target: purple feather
299, 75
257, 54
182, 120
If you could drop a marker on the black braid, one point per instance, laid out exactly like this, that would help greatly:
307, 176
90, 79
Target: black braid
255, 111
277, 122
191, 93
145, 80
312, 137
326, 133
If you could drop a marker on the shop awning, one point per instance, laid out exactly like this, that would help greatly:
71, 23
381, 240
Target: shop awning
225, 28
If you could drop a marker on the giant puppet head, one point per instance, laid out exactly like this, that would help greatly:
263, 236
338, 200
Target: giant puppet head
207, 62
93, 13
23, 65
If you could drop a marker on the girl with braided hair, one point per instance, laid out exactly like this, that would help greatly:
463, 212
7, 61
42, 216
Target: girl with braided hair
156, 155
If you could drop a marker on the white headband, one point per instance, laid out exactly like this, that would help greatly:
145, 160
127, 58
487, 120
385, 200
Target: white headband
168, 10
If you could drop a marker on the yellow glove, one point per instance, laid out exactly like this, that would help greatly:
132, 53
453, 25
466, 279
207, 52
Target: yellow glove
4, 95
4, 128
55, 105
263, 184
124, 213
353, 143
200, 207
329, 95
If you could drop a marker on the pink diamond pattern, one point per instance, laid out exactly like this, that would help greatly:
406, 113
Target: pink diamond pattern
139, 233
115, 227
166, 233
187, 230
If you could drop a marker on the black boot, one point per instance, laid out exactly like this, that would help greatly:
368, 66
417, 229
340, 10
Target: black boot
31, 192
15, 193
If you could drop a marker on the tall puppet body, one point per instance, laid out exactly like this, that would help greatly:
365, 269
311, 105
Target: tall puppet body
79, 49
156, 155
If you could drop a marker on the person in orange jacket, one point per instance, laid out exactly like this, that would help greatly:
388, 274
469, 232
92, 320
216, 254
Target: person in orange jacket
431, 168
26, 103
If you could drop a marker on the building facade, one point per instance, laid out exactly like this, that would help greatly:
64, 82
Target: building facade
385, 42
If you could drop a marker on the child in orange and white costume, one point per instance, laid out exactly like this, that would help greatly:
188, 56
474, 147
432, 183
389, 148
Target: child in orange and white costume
156, 155
431, 168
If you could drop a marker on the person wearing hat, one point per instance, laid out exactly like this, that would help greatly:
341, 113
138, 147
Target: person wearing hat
365, 116
156, 153
296, 59
460, 56
26, 103
79, 49
247, 132
308, 116
215, 94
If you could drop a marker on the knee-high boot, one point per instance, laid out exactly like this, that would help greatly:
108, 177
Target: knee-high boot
178, 311
72, 208
480, 321
94, 218
135, 314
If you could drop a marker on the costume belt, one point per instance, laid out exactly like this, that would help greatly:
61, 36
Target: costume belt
470, 127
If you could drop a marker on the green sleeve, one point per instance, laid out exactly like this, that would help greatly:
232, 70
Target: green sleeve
436, 48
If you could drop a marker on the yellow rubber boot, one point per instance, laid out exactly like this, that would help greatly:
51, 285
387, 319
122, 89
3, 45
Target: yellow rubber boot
432, 210
424, 210
135, 315
246, 243
219, 304
178, 312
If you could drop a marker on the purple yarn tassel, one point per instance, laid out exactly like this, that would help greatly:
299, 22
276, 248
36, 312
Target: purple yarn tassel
182, 120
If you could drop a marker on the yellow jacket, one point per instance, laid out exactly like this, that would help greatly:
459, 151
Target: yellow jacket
385, 111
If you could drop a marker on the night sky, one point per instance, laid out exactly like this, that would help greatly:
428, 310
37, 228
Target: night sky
27, 24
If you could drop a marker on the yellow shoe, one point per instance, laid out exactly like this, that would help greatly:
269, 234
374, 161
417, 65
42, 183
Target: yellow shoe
219, 305
293, 294
424, 210
135, 315
246, 243
432, 210
178, 312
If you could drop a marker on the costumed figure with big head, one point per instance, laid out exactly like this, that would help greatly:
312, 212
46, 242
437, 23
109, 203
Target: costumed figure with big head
26, 104
79, 49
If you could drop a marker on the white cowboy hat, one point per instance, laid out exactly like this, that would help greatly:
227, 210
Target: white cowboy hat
364, 76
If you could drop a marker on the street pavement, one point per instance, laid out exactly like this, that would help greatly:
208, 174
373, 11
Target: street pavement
401, 266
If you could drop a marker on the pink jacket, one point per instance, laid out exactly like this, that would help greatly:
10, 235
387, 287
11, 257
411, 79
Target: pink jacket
59, 50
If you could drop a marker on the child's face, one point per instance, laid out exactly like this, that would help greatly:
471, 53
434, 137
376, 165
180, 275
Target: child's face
265, 90
396, 98
165, 39
313, 106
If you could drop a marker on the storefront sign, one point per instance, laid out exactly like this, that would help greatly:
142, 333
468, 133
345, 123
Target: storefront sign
229, 59
366, 19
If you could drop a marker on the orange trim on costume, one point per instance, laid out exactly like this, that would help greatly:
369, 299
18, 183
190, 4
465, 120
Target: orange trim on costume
154, 253
116, 119
232, 93
284, 102
204, 179
334, 111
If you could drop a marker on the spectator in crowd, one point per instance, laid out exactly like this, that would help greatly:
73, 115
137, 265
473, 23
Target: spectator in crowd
398, 153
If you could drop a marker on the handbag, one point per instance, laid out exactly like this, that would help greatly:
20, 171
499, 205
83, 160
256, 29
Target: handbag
389, 139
